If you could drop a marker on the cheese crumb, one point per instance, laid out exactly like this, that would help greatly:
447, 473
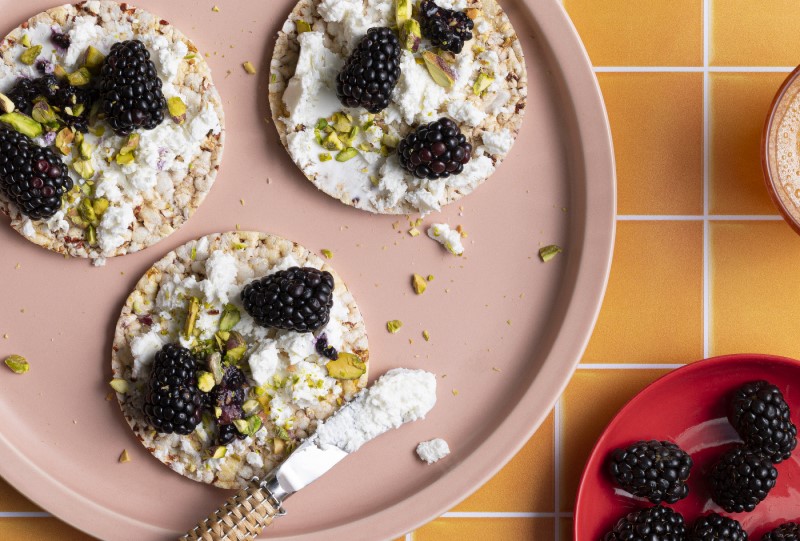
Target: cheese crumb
433, 450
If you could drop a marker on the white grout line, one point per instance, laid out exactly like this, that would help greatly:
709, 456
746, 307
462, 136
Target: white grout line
24, 514
557, 467
693, 69
504, 514
699, 217
706, 174
628, 366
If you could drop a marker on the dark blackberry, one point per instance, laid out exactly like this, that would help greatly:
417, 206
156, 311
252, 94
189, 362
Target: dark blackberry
656, 470
32, 177
228, 433
435, 150
446, 28
130, 89
762, 418
229, 395
173, 402
324, 349
23, 93
60, 40
58, 94
741, 480
651, 524
790, 531
371, 72
297, 299
714, 527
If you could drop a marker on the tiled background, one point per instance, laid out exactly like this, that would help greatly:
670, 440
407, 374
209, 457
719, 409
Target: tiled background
700, 265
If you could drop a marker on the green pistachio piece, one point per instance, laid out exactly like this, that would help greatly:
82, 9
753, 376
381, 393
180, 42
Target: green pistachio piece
221, 337
119, 385
94, 60
325, 157
43, 113
25, 40
29, 56
402, 11
191, 317
410, 35
64, 139
6, 105
440, 71
483, 82
83, 168
341, 123
249, 68
302, 26
346, 154
177, 109
235, 348
230, 317
347, 366
248, 426
214, 361
549, 252
91, 235
17, 363
124, 159
327, 253
332, 142
220, 451
59, 71
321, 124
80, 77
85, 149
419, 284
394, 325
251, 407
205, 381
390, 141
22, 123
131, 144
100, 205
86, 210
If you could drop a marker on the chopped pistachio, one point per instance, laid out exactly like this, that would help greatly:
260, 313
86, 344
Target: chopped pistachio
394, 325
29, 56
119, 385
235, 348
194, 253
124, 159
346, 154
81, 77
220, 452
25, 40
325, 157
374, 180
332, 142
6, 105
302, 26
273, 77
353, 132
414, 232
402, 11
17, 363
321, 124
390, 141
43, 113
217, 412
248, 426
440, 71
426, 335
60, 72
239, 245
64, 139
131, 144
85, 149
278, 446
177, 109
229, 318
191, 317
94, 60
124, 457
327, 253
91, 235
483, 82
419, 284
549, 252
341, 123
410, 35
100, 205
251, 407
205, 381
346, 366
215, 9
22, 123
249, 67
430, 278
83, 168
215, 366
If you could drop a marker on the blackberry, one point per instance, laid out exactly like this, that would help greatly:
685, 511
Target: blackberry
656, 470
790, 531
23, 94
651, 524
173, 401
297, 299
324, 349
60, 40
32, 177
58, 94
228, 433
130, 89
446, 28
761, 416
371, 72
741, 480
229, 395
435, 150
714, 527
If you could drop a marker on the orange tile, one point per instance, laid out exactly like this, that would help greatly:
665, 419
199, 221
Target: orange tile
507, 529
591, 400
36, 529
739, 106
526, 484
624, 33
755, 288
653, 311
11, 500
746, 33
657, 126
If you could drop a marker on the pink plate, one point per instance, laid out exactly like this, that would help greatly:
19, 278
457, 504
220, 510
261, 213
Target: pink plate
497, 307
688, 407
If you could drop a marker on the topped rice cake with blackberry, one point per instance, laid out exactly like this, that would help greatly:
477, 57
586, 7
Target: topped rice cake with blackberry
357, 88
112, 125
230, 350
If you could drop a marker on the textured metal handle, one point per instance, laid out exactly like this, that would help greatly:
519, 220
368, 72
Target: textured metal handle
242, 517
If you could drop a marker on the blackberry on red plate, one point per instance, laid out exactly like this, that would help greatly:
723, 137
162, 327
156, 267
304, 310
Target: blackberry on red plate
435, 150
761, 416
130, 89
651, 524
296, 299
789, 531
32, 177
371, 72
741, 480
173, 402
715, 527
656, 470
446, 28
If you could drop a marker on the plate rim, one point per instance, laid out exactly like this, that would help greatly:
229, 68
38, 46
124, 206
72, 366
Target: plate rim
582, 95
666, 378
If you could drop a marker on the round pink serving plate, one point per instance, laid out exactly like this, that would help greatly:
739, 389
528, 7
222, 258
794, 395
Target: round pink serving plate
506, 330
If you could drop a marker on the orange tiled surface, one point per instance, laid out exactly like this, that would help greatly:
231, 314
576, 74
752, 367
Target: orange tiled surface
691, 200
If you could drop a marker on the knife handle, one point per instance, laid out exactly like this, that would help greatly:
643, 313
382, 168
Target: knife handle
242, 517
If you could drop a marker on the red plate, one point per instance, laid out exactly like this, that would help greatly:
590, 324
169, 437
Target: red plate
688, 406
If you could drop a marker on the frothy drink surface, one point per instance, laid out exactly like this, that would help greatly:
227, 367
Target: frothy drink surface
788, 155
